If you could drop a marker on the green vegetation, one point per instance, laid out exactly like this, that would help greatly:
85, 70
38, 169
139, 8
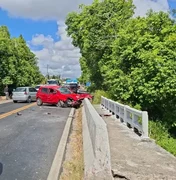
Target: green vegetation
97, 96
18, 65
133, 59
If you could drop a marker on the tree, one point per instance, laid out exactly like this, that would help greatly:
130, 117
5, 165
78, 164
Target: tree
18, 65
93, 30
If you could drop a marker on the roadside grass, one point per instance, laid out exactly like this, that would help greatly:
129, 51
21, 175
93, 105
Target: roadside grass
162, 137
97, 96
73, 166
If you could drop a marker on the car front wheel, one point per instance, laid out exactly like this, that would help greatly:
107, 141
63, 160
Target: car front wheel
60, 104
39, 102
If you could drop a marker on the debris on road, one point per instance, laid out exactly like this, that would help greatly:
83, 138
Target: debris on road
48, 113
19, 114
106, 115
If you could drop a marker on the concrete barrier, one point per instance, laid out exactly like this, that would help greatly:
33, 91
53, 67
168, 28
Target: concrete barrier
95, 144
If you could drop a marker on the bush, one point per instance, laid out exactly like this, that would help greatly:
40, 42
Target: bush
159, 132
97, 96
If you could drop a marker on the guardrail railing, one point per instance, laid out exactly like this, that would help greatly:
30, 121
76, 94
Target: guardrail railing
138, 120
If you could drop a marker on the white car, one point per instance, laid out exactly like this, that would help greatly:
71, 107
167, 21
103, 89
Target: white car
27, 94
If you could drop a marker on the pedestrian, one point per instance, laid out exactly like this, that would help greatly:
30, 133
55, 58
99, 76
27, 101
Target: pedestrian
6, 92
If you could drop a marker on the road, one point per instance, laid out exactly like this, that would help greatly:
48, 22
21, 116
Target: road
28, 141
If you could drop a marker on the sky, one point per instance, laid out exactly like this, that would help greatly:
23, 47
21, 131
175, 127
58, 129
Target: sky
42, 25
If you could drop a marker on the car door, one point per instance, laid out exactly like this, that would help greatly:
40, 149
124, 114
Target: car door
52, 96
43, 94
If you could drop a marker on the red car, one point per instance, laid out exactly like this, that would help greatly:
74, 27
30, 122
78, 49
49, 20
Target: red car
60, 96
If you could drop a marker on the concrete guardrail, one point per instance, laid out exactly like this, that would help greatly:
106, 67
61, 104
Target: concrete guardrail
138, 120
95, 144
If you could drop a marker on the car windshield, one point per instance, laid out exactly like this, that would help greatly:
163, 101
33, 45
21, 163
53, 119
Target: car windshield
64, 90
37, 87
20, 89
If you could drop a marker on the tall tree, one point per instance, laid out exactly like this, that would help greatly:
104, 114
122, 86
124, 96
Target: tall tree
18, 65
93, 31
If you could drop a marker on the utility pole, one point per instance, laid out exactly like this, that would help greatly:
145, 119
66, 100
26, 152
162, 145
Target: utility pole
47, 71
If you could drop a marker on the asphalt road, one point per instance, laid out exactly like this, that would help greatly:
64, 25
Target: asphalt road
6, 107
28, 142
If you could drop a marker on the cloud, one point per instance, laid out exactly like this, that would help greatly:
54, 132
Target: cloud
61, 56
58, 9
41, 9
142, 6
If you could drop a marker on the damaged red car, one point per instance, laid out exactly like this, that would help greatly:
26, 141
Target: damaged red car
60, 96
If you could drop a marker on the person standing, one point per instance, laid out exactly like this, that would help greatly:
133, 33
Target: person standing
6, 92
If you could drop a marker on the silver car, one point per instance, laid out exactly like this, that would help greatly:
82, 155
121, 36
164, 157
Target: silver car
27, 94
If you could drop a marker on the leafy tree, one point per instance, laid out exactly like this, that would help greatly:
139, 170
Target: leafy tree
143, 63
93, 31
18, 65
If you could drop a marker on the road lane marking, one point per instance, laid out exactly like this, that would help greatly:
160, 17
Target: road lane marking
16, 110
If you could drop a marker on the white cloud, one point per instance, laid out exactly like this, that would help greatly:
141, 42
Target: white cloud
41, 9
144, 5
61, 56
58, 9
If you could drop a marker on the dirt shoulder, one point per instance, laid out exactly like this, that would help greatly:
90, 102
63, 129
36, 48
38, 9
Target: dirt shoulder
73, 165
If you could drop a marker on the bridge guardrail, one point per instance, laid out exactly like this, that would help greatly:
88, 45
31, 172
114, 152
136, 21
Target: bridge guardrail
138, 120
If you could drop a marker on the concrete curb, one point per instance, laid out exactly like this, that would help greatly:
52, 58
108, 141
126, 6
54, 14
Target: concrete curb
59, 156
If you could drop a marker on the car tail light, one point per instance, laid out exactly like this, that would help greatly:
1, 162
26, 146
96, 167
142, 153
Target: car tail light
25, 93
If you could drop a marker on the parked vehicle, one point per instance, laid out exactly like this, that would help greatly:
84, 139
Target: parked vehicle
27, 94
60, 96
